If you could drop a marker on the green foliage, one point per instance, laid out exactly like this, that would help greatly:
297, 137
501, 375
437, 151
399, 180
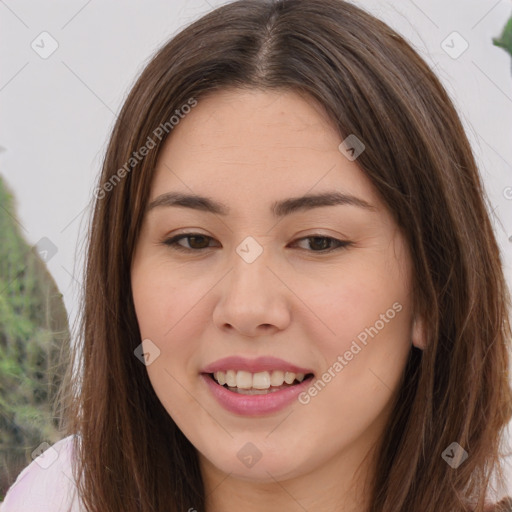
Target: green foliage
33, 332
505, 40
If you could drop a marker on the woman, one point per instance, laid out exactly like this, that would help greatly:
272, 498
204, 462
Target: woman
294, 297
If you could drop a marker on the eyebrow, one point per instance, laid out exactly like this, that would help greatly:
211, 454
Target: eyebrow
278, 208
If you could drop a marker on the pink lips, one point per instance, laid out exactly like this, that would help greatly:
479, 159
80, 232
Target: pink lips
254, 405
260, 364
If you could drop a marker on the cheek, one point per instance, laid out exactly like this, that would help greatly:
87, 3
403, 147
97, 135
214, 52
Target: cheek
357, 299
368, 313
168, 313
161, 298
365, 357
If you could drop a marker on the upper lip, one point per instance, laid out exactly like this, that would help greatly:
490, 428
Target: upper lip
260, 364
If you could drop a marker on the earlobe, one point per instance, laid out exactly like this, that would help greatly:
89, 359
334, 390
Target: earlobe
418, 333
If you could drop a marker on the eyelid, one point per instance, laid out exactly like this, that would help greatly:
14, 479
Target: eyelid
172, 242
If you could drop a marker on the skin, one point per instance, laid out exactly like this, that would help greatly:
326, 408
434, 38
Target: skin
247, 149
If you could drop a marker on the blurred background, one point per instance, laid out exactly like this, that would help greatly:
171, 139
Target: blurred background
67, 67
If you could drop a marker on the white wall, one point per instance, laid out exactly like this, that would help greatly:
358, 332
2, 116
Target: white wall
57, 112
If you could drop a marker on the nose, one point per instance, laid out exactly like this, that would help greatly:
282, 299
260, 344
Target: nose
253, 299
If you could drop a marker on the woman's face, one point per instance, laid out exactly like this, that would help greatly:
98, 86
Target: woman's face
273, 286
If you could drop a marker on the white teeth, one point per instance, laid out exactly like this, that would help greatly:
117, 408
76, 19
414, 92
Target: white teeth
289, 377
260, 380
243, 380
221, 378
230, 378
277, 378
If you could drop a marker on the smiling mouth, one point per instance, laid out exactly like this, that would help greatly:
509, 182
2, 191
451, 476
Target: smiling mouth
261, 383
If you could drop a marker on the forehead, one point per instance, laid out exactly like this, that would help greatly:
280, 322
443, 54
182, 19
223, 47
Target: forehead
249, 144
256, 119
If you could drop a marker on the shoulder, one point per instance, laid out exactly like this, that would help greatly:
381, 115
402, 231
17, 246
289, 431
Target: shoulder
46, 484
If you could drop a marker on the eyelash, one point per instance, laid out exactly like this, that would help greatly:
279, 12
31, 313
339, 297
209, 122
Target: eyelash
173, 242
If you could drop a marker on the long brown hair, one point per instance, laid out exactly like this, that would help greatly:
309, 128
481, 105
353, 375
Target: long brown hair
131, 455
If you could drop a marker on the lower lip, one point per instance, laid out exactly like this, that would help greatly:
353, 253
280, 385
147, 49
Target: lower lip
255, 405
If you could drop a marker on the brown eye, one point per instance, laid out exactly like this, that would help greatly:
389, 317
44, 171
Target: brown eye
320, 243
325, 243
196, 242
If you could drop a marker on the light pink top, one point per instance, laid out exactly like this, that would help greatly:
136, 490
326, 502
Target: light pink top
46, 484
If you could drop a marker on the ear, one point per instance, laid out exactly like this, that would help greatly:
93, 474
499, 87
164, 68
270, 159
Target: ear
418, 333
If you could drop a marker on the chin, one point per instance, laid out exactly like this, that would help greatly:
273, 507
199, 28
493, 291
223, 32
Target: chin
265, 469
